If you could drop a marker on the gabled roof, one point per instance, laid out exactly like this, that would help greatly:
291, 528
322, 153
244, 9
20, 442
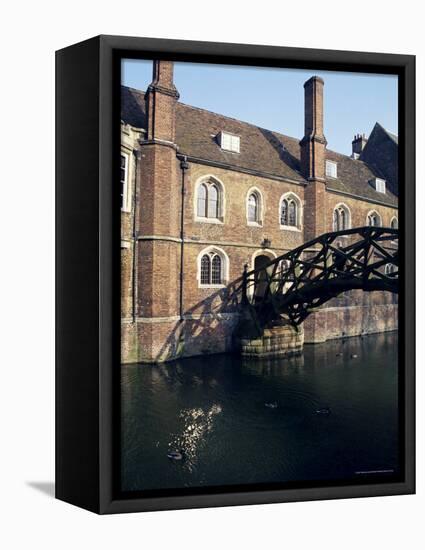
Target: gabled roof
381, 153
261, 150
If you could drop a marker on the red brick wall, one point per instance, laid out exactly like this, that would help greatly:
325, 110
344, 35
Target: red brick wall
209, 315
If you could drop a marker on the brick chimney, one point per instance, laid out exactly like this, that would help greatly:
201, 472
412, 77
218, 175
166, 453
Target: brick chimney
313, 144
358, 144
161, 98
313, 151
159, 213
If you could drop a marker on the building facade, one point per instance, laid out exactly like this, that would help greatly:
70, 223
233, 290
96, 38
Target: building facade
202, 195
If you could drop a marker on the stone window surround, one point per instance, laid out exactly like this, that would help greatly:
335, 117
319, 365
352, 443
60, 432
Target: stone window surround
260, 205
343, 206
299, 212
224, 266
374, 213
210, 179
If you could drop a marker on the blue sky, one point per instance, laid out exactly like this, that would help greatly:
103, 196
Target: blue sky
274, 98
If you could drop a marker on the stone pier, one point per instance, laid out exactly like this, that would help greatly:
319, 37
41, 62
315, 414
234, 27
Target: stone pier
276, 341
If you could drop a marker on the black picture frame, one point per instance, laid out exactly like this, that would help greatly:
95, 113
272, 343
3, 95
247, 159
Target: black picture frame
87, 265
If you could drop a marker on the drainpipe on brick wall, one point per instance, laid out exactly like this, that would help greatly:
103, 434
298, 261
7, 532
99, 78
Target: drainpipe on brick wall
137, 156
183, 166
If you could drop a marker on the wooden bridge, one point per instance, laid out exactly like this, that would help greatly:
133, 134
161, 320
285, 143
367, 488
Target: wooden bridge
295, 284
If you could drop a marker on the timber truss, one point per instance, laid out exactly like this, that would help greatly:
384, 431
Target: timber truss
295, 284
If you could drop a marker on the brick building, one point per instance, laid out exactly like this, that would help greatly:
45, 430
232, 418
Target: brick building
203, 194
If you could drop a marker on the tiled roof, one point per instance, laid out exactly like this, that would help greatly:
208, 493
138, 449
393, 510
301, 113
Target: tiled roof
133, 107
381, 153
261, 150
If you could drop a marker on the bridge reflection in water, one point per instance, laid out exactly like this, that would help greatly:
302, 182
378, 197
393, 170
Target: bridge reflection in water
214, 409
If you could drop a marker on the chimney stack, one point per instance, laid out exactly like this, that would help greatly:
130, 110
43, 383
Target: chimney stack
161, 98
358, 144
313, 156
158, 265
313, 144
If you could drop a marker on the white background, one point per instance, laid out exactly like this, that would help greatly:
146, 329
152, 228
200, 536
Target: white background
30, 33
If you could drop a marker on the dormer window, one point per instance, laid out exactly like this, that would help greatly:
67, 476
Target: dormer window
229, 142
379, 185
331, 169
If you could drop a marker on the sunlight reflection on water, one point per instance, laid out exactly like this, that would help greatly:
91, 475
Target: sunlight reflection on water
196, 424
213, 410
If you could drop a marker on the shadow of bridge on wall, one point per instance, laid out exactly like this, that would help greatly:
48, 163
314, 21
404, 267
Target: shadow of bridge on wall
341, 273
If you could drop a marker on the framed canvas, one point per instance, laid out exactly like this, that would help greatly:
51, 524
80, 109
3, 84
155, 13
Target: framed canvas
235, 274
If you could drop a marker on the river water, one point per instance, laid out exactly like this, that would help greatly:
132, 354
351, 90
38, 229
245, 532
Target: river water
330, 414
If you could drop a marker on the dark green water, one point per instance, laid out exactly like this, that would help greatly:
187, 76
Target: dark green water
213, 409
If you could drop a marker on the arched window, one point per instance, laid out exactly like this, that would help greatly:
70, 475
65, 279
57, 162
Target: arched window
202, 200
390, 269
213, 267
335, 220
216, 278
341, 218
209, 200
205, 270
254, 207
212, 202
290, 211
374, 219
284, 213
394, 223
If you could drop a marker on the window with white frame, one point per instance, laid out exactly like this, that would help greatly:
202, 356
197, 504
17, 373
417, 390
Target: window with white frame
209, 201
373, 219
379, 185
230, 142
124, 181
290, 211
341, 218
394, 223
212, 268
254, 208
331, 169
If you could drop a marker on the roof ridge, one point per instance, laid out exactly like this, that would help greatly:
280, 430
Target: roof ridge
141, 92
237, 120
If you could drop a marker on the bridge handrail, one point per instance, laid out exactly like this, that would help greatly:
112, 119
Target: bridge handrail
364, 230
